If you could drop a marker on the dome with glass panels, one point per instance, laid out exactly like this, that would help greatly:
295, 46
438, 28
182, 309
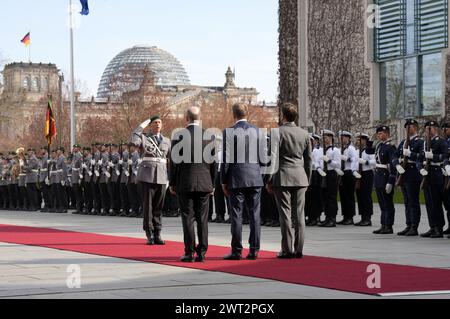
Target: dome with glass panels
126, 71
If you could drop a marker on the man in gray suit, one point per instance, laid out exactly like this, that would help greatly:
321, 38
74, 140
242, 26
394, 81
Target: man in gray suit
290, 182
152, 176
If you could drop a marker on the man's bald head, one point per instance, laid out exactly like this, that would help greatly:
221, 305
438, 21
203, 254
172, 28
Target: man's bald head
193, 114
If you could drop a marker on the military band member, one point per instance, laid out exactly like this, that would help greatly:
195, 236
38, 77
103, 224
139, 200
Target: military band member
366, 163
411, 177
433, 179
314, 197
332, 163
446, 129
87, 186
384, 179
77, 178
114, 183
349, 165
152, 176
124, 179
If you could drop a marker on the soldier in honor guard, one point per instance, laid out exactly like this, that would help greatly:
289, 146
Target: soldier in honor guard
314, 198
405, 162
55, 186
152, 176
104, 178
62, 178
96, 161
384, 179
3, 183
87, 171
44, 181
331, 158
31, 168
13, 181
123, 180
23, 203
446, 131
349, 165
432, 159
364, 186
114, 183
77, 178
133, 192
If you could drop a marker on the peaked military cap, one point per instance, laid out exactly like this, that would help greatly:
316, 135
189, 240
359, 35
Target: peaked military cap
328, 132
154, 118
432, 123
345, 133
363, 135
411, 122
383, 128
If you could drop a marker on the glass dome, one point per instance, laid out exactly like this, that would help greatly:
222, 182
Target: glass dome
126, 71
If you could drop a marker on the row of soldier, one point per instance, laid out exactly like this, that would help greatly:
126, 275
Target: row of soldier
418, 163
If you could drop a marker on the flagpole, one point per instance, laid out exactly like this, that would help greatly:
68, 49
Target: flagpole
72, 83
29, 49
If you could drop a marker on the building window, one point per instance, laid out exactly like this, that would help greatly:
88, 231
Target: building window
27, 83
408, 44
36, 84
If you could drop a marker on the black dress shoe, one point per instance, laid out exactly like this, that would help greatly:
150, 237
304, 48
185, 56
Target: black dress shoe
313, 223
347, 222
427, 234
188, 258
283, 255
437, 233
199, 259
404, 231
253, 255
364, 223
387, 230
298, 255
228, 221
378, 231
328, 223
233, 256
447, 231
157, 238
275, 224
219, 220
412, 232
150, 240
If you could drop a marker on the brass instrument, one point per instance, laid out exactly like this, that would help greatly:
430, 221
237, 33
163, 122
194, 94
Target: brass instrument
20, 152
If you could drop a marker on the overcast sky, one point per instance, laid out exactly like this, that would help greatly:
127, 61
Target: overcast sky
204, 35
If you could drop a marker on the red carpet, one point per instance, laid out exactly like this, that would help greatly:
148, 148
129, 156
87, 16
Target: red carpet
332, 273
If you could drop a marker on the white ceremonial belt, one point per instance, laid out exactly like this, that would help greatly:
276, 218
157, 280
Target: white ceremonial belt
43, 170
384, 166
35, 170
22, 174
155, 160
436, 164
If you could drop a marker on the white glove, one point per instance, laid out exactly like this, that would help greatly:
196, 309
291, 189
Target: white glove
120, 162
63, 183
117, 172
389, 188
145, 124
92, 162
423, 172
130, 162
362, 161
97, 173
81, 176
321, 172
90, 173
49, 161
339, 172
140, 161
344, 158
135, 173
447, 170
326, 158
406, 152
127, 174
400, 169
357, 175
21, 162
47, 182
429, 155
107, 174
110, 164
84, 166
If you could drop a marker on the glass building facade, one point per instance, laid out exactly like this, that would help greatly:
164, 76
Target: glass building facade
409, 39
125, 71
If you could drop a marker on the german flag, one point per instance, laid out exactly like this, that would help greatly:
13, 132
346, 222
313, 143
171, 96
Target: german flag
50, 126
26, 39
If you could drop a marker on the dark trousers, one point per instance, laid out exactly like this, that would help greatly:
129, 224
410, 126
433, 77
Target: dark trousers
269, 209
433, 200
114, 192
104, 197
240, 199
88, 197
219, 198
133, 196
411, 192
45, 190
347, 195
446, 202
13, 192
152, 204
329, 195
386, 202
97, 196
32, 193
194, 208
364, 195
23, 198
70, 195
5, 196
78, 192
124, 202
2, 195
171, 202
57, 194
315, 202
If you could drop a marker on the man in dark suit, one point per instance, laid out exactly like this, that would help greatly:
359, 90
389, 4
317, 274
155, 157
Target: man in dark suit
292, 154
241, 178
192, 179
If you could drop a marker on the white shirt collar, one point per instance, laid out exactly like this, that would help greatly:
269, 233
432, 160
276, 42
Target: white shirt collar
243, 120
193, 123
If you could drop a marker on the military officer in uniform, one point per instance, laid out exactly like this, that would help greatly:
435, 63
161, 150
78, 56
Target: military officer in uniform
133, 193
44, 181
123, 181
31, 168
23, 198
3, 183
77, 178
96, 161
430, 164
408, 157
446, 129
13, 188
366, 165
314, 198
152, 176
332, 165
114, 183
61, 179
105, 175
384, 179
86, 184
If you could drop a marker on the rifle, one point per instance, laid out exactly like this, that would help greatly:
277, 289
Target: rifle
399, 181
424, 183
360, 168
325, 164
342, 162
